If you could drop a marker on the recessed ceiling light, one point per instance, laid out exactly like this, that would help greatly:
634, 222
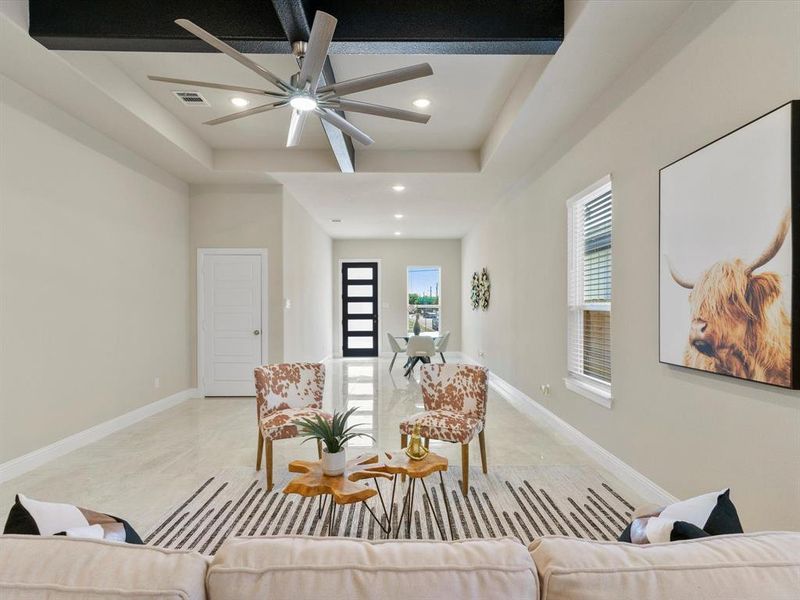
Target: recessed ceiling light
397, 233
398, 187
240, 102
421, 103
398, 217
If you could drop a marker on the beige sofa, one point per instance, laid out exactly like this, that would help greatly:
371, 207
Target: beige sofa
762, 566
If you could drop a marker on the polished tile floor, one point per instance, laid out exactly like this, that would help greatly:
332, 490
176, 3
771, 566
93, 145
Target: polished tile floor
140, 472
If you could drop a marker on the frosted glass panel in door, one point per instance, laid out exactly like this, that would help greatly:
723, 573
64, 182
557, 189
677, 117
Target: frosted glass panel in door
359, 324
360, 291
359, 273
359, 308
359, 342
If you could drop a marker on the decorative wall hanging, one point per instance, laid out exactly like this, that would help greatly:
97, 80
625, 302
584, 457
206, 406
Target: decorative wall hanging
727, 253
485, 289
475, 291
480, 290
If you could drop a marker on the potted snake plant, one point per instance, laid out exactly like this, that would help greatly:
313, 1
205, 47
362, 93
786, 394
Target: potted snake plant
333, 434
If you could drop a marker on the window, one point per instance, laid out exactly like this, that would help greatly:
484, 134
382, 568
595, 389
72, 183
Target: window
423, 288
589, 293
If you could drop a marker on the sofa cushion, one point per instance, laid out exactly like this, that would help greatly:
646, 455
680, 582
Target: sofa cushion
60, 568
701, 516
33, 517
757, 565
305, 568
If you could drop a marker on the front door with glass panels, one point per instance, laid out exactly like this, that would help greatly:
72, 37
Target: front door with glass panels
359, 309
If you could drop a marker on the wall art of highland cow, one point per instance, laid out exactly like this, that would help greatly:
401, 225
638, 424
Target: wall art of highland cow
728, 255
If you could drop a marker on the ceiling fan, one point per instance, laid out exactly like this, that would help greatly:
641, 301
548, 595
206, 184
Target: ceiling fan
302, 92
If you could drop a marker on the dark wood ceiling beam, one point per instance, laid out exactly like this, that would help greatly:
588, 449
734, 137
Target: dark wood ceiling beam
256, 26
296, 26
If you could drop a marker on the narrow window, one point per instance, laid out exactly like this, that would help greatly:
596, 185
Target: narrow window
589, 293
424, 298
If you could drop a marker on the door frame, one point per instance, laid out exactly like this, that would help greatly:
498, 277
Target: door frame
201, 337
340, 291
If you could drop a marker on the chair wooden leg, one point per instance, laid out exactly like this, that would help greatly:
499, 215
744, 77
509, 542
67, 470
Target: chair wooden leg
482, 441
260, 449
391, 364
464, 469
268, 453
319, 449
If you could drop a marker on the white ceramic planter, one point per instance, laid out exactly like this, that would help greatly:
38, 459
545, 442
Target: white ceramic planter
333, 464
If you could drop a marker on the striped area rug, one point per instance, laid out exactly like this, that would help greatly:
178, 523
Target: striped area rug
525, 502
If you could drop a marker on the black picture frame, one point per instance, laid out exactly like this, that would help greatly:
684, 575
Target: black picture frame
794, 312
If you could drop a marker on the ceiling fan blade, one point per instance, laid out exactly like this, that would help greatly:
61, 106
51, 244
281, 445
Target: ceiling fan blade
232, 52
296, 127
317, 49
218, 86
359, 84
343, 124
381, 111
246, 113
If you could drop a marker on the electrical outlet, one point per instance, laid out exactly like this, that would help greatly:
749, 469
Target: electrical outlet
157, 382
545, 389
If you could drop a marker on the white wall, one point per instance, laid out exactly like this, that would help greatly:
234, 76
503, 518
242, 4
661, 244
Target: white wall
690, 432
307, 285
395, 257
240, 216
93, 277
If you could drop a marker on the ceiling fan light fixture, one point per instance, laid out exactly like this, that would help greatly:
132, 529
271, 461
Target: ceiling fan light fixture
303, 102
421, 103
399, 187
398, 216
240, 102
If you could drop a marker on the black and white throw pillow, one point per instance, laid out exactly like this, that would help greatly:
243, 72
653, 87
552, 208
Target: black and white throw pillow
32, 517
701, 516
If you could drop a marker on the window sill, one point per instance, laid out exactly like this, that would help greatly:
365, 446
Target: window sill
596, 393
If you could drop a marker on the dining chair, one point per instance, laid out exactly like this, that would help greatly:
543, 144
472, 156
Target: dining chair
441, 344
394, 344
419, 348
454, 397
285, 393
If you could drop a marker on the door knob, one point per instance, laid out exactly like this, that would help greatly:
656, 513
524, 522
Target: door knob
256, 332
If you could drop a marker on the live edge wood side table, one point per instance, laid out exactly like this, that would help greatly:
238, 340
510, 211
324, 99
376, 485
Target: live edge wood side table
341, 489
399, 463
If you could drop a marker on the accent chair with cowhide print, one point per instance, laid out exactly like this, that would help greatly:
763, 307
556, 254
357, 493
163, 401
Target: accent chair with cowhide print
286, 393
454, 396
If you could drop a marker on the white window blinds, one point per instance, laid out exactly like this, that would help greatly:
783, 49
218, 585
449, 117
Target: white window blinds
589, 288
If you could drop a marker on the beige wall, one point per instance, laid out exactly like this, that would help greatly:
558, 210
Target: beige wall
689, 432
93, 277
395, 257
240, 216
307, 285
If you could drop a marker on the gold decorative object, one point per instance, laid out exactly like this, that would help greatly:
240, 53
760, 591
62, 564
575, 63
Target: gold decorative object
415, 450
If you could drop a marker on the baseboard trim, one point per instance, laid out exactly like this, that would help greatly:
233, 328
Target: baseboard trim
27, 462
642, 485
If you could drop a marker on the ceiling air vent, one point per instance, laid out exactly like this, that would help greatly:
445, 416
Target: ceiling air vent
191, 98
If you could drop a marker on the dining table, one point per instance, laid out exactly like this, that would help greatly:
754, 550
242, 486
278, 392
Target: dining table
431, 334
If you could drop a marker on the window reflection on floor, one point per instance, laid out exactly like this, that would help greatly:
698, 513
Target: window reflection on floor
359, 391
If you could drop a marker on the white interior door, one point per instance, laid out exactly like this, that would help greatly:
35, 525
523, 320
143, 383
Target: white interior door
231, 323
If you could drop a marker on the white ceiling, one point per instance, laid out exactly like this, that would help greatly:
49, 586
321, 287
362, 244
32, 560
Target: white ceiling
496, 120
466, 94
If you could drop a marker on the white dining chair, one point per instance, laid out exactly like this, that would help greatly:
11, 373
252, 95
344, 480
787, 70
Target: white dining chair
419, 348
441, 344
394, 344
